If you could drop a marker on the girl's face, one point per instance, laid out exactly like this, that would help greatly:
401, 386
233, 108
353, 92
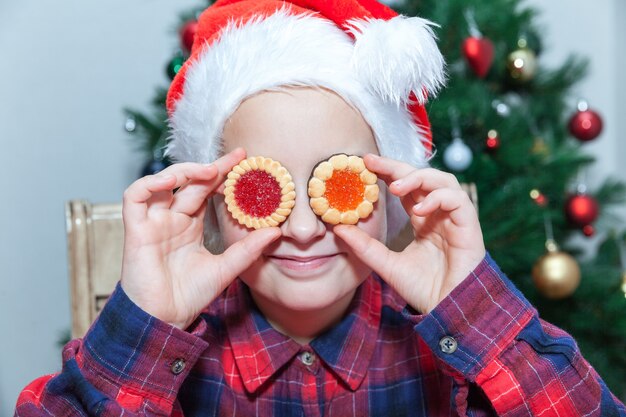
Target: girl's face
308, 268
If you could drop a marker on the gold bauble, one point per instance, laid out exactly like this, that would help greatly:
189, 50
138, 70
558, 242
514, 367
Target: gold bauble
540, 147
522, 64
556, 274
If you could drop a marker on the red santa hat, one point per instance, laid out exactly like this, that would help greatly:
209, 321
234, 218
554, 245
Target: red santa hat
382, 63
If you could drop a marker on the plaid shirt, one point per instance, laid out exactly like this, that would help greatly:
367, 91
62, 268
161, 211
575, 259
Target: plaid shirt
481, 352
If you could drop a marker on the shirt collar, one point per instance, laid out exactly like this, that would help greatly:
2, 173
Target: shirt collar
348, 347
260, 351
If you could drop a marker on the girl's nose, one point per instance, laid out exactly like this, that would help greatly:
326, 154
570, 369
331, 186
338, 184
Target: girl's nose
303, 225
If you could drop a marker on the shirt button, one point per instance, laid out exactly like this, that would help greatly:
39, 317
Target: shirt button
178, 366
307, 358
448, 344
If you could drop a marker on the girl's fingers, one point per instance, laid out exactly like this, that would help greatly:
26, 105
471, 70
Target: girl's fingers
190, 171
388, 170
225, 164
139, 192
228, 161
161, 199
189, 197
454, 202
184, 173
369, 250
425, 180
243, 253
138, 195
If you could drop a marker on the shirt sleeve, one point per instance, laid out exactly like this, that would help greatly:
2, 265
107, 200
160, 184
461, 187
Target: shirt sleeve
129, 362
487, 335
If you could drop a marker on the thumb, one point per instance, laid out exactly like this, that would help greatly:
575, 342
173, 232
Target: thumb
240, 255
370, 251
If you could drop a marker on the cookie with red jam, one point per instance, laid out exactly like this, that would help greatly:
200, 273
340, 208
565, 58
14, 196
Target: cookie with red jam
259, 192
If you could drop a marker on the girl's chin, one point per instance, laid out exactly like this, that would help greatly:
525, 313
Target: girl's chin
310, 300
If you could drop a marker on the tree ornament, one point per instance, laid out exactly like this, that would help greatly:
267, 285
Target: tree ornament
539, 147
477, 49
585, 124
581, 210
174, 66
556, 274
457, 156
502, 108
522, 64
187, 33
493, 141
538, 197
478, 53
130, 125
589, 230
530, 39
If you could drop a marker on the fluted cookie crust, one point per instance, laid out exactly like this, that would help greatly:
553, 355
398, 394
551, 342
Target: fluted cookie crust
259, 192
342, 190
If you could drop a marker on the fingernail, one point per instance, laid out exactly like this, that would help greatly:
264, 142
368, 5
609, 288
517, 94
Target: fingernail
417, 206
397, 183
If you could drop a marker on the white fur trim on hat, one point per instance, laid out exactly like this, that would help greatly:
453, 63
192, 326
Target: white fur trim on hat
283, 49
398, 56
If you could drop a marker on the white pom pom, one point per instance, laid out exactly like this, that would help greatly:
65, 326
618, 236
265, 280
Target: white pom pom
398, 56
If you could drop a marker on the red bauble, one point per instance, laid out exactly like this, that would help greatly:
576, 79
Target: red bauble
187, 33
585, 125
479, 54
493, 141
589, 230
581, 210
541, 200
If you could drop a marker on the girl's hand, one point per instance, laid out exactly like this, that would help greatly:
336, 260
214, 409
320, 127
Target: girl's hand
448, 241
166, 270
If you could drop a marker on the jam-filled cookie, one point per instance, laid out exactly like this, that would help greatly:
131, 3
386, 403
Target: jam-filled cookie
259, 192
342, 190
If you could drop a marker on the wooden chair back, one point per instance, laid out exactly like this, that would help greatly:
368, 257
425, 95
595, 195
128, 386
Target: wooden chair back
95, 236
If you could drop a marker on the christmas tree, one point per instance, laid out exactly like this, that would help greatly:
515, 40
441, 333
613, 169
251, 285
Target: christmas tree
511, 127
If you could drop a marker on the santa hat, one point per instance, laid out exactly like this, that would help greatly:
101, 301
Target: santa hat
382, 63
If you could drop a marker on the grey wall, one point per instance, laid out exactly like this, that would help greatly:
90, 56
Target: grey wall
619, 21
594, 30
68, 67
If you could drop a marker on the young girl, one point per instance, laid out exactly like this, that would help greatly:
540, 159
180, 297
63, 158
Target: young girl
307, 318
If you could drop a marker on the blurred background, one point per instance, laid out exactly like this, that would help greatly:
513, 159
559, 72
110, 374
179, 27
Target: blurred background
68, 69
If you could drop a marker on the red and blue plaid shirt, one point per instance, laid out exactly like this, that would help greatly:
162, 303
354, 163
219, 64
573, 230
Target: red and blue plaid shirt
482, 352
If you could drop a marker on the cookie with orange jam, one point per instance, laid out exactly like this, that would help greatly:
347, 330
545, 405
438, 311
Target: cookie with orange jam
259, 192
342, 190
